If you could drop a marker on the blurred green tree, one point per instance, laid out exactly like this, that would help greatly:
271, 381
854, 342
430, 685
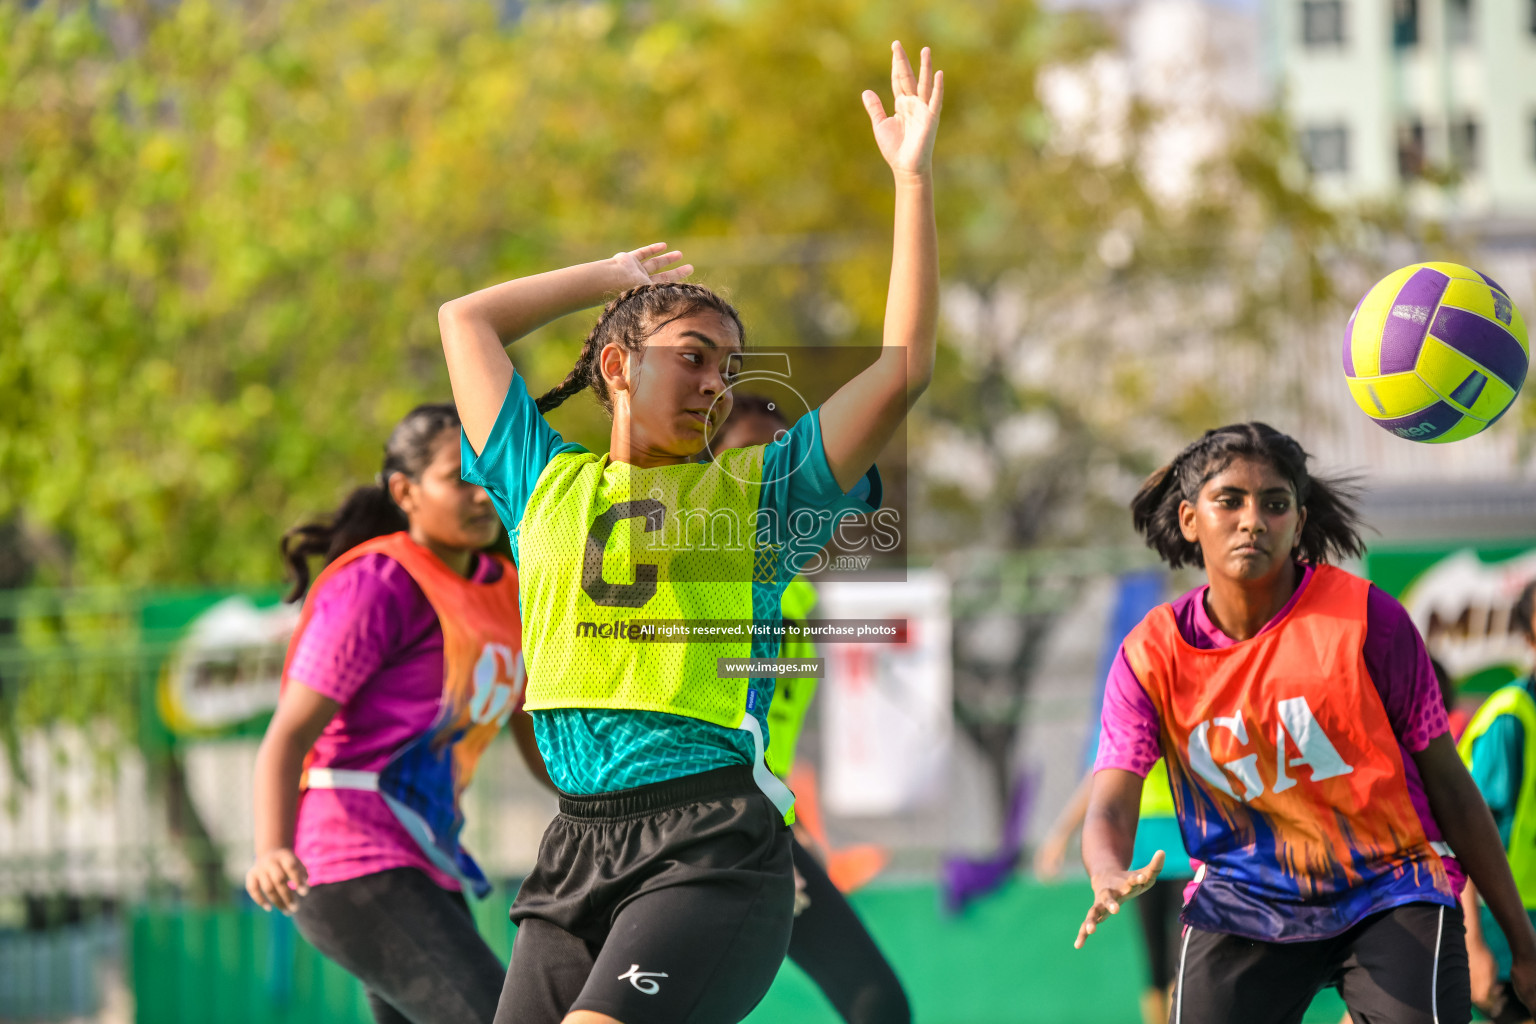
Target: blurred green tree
227, 229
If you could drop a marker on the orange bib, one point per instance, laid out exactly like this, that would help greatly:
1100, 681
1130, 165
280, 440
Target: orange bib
1286, 774
483, 684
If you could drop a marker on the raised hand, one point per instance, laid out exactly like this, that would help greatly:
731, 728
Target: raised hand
650, 264
1113, 889
905, 137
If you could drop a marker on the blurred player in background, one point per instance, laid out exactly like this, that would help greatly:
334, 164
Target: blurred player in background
828, 942
1308, 755
405, 664
1499, 748
664, 889
1157, 909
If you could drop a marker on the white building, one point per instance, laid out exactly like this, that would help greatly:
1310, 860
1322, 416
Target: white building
1437, 97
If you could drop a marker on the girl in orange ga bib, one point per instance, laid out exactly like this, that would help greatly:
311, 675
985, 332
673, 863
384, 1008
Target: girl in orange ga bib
1308, 754
406, 663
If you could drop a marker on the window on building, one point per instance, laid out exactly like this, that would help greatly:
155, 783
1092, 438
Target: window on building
1325, 147
1410, 150
1459, 25
1405, 23
1322, 22
1464, 140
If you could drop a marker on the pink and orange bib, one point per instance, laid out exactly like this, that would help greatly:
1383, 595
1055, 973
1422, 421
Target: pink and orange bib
483, 684
1286, 775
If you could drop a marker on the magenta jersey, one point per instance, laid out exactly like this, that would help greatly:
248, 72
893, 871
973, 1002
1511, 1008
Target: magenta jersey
373, 645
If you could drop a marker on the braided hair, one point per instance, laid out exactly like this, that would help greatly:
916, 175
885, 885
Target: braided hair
1332, 529
630, 320
370, 511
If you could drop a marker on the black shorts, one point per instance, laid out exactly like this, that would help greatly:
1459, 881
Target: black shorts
1407, 965
663, 904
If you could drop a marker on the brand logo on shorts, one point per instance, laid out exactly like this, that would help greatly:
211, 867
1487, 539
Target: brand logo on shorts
642, 979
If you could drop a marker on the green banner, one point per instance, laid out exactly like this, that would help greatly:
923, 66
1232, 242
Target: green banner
1461, 596
223, 661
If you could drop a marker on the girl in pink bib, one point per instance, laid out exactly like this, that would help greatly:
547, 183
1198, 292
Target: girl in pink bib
406, 663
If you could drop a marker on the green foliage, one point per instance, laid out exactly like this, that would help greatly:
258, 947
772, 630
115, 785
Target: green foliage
227, 228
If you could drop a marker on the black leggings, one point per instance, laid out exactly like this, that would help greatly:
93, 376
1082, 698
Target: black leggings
411, 943
830, 944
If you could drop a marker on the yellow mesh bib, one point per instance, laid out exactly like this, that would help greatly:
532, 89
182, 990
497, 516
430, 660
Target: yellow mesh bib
1513, 700
604, 546
1157, 793
791, 697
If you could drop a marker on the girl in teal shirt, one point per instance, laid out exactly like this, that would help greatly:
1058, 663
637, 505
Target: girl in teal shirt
663, 889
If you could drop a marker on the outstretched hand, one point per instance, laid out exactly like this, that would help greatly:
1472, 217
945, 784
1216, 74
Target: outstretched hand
1113, 889
905, 137
650, 264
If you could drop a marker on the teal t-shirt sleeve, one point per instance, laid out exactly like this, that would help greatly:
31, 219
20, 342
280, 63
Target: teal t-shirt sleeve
520, 445
1498, 762
801, 496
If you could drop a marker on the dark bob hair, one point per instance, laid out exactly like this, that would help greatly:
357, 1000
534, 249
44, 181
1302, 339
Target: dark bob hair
1332, 529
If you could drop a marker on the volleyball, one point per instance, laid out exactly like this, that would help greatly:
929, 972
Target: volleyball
1435, 352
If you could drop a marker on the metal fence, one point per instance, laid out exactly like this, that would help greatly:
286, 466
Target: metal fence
83, 828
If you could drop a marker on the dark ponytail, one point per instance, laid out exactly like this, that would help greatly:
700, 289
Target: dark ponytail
630, 319
1332, 529
369, 511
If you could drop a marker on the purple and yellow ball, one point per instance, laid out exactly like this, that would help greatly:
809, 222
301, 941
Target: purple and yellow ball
1435, 352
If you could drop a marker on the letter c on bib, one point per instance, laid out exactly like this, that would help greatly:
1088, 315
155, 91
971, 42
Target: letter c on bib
620, 595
